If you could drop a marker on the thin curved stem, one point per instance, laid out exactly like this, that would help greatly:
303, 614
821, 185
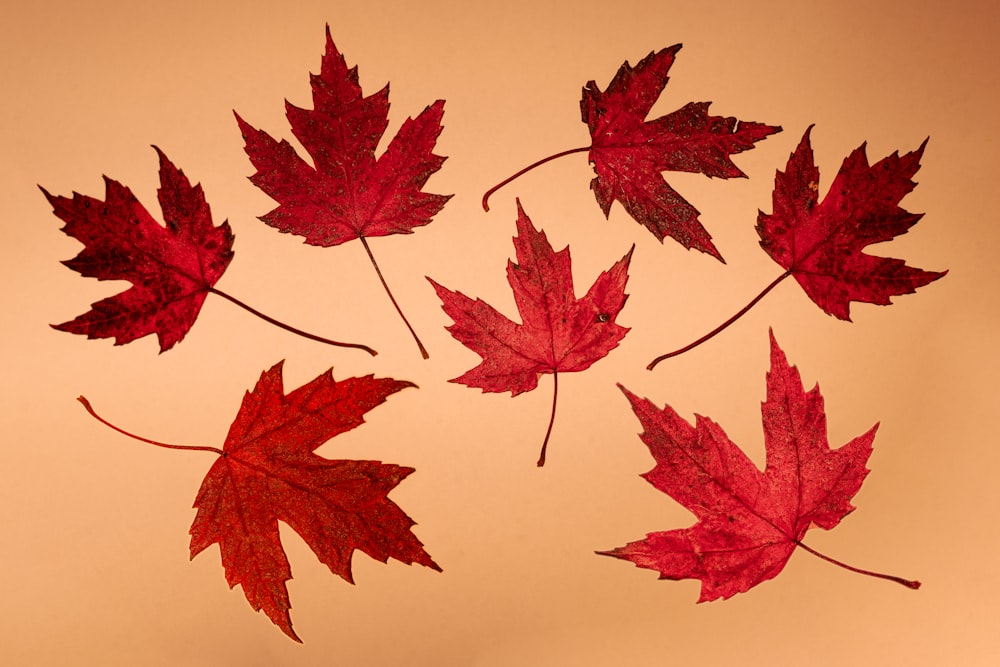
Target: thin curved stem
200, 448
721, 327
552, 417
288, 327
423, 350
899, 580
531, 166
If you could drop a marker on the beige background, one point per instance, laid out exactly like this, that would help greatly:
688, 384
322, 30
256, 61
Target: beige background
94, 554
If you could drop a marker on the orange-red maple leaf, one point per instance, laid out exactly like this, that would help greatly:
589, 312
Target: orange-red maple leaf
749, 522
172, 269
269, 473
559, 332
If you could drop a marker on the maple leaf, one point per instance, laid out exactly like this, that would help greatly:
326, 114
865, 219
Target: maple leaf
629, 153
558, 333
348, 194
749, 522
267, 472
821, 244
172, 268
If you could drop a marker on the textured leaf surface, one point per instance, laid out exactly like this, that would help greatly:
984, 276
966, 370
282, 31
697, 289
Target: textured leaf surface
171, 268
821, 243
269, 473
347, 193
558, 331
749, 522
628, 152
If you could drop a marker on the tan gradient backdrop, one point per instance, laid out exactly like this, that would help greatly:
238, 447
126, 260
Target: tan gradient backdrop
94, 557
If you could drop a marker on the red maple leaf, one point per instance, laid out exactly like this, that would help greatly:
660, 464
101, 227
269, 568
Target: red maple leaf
821, 244
172, 268
267, 472
628, 152
749, 522
348, 194
559, 332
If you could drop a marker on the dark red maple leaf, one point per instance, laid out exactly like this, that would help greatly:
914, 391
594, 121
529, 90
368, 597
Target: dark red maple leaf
821, 244
172, 268
347, 193
267, 472
749, 522
558, 333
628, 152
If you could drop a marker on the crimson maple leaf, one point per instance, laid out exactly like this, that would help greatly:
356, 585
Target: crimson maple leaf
558, 333
749, 522
172, 268
628, 152
821, 244
267, 472
348, 194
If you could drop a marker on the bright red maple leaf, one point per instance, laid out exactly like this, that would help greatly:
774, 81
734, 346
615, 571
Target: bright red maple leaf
558, 333
821, 244
749, 522
629, 152
267, 472
172, 269
347, 193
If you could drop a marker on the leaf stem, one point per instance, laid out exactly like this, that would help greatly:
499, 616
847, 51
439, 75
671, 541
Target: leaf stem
288, 327
899, 580
423, 350
552, 417
90, 409
722, 326
531, 166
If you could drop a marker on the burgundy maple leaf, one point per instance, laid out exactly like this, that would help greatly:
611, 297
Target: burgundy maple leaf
172, 268
558, 333
347, 193
749, 522
628, 152
821, 243
267, 472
